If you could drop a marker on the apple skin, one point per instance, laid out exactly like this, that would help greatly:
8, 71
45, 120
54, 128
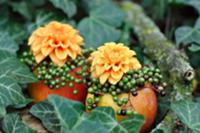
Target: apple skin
39, 91
145, 103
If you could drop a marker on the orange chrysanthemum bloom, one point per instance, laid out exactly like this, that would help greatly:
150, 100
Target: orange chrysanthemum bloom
111, 61
58, 41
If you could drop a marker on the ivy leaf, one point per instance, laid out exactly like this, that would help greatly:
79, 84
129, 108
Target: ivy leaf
130, 125
9, 64
15, 29
13, 68
11, 25
7, 43
10, 92
12, 123
101, 25
43, 17
184, 35
2, 112
189, 113
96, 32
109, 14
187, 35
106, 117
89, 5
67, 6
62, 115
22, 8
194, 47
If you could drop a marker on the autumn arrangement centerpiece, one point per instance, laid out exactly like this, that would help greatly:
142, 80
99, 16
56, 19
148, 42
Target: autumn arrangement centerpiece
111, 76
118, 80
58, 61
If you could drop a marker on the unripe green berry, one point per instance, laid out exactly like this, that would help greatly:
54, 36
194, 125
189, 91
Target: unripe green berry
75, 92
89, 107
119, 103
57, 86
63, 84
96, 99
128, 112
115, 98
89, 101
90, 90
71, 85
125, 100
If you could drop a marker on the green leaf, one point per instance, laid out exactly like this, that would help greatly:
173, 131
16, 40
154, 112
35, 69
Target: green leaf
12, 25
194, 47
15, 29
109, 14
22, 8
130, 125
10, 92
2, 112
48, 115
186, 34
89, 5
106, 117
12, 123
96, 32
189, 113
67, 6
13, 68
101, 25
43, 17
62, 115
7, 43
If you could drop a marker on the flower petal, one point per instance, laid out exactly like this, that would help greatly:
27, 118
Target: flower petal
135, 64
39, 57
104, 77
46, 50
70, 53
35, 47
99, 70
61, 53
113, 81
56, 60
116, 67
117, 75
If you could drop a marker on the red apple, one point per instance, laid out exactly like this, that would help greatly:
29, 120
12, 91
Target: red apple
39, 91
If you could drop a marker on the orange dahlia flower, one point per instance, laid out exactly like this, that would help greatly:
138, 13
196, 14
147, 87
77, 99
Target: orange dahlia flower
111, 61
58, 41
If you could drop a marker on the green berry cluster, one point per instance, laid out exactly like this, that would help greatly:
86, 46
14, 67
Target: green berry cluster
131, 82
55, 77
28, 59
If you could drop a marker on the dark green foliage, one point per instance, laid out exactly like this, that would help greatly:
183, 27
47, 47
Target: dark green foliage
98, 21
62, 115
